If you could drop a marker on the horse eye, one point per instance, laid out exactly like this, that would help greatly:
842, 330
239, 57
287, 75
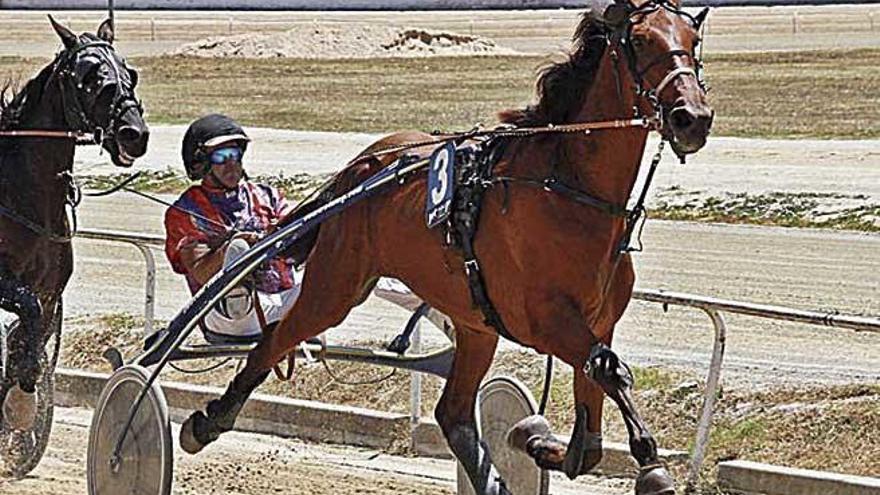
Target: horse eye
638, 43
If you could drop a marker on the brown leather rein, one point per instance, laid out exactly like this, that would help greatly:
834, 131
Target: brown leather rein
78, 136
649, 123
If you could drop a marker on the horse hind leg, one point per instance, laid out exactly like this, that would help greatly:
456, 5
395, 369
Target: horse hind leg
455, 411
326, 299
616, 379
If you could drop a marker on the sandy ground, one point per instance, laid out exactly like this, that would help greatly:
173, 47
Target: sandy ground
248, 464
540, 31
342, 41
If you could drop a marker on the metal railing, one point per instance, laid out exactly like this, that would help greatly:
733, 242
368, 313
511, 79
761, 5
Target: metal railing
142, 242
713, 307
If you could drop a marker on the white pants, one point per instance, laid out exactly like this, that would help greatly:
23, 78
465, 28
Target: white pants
274, 305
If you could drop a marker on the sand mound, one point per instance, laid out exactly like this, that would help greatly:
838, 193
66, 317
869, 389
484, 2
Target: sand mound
345, 41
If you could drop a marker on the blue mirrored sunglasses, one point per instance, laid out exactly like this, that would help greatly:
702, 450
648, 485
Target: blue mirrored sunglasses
222, 155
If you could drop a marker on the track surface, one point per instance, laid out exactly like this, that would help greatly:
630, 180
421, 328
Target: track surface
248, 464
804, 269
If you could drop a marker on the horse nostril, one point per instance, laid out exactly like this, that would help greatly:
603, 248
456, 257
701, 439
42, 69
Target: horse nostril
128, 134
681, 118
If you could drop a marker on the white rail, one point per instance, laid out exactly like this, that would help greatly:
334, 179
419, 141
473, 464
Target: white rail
142, 242
713, 307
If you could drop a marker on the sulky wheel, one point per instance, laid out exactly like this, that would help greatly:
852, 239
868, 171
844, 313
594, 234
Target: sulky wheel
502, 402
144, 465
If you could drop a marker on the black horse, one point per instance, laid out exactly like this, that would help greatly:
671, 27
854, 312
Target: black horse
88, 90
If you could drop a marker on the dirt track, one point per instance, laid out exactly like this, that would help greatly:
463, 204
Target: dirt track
247, 464
818, 270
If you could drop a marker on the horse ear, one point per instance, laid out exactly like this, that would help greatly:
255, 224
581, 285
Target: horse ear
106, 31
616, 14
701, 17
69, 39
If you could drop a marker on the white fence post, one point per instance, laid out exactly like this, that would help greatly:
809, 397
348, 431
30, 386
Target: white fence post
415, 385
713, 381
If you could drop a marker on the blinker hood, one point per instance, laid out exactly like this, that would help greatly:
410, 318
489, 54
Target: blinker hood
612, 13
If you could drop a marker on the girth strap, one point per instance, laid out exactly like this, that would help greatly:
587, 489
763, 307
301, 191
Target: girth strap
474, 178
479, 296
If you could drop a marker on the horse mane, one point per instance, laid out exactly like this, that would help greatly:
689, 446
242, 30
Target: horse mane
562, 85
15, 103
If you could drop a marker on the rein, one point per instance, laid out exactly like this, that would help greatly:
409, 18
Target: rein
651, 123
81, 138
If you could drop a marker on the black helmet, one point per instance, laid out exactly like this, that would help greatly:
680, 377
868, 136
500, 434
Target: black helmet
207, 132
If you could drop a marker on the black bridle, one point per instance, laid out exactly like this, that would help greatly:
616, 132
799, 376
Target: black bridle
626, 42
618, 20
78, 121
75, 113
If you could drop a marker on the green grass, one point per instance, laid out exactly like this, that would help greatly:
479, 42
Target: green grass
806, 210
173, 181
785, 95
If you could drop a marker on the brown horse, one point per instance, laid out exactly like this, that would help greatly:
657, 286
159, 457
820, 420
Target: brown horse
550, 258
88, 88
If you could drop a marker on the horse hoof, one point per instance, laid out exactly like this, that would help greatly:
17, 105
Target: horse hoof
20, 409
527, 429
188, 441
655, 481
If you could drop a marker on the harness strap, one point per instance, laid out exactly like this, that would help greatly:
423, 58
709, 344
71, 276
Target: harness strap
552, 184
671, 77
652, 122
37, 228
475, 180
284, 376
77, 135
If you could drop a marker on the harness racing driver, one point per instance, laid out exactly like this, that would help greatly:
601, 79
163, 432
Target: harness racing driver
216, 220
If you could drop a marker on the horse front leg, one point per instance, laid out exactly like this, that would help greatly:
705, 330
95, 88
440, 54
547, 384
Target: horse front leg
616, 379
325, 301
21, 368
533, 435
455, 410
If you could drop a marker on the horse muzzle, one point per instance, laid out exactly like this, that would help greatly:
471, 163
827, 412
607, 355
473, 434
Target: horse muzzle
689, 126
130, 143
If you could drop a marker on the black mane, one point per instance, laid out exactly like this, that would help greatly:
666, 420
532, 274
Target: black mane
561, 86
19, 103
